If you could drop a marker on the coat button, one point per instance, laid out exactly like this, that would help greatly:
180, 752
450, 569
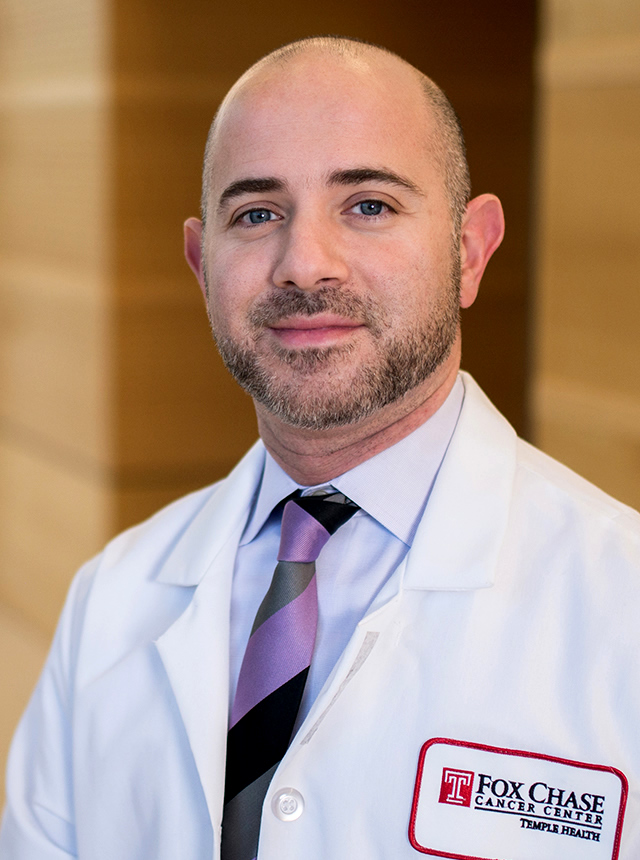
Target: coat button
287, 804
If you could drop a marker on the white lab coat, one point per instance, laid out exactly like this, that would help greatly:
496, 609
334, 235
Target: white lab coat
513, 622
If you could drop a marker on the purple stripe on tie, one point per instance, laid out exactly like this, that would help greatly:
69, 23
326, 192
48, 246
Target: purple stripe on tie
284, 626
302, 535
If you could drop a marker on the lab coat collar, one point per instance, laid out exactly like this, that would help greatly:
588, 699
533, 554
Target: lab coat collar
456, 545
405, 471
458, 542
223, 516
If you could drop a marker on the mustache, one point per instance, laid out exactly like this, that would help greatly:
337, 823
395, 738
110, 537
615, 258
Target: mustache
277, 306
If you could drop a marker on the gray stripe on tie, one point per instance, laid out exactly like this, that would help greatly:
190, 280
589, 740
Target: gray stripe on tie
290, 579
242, 815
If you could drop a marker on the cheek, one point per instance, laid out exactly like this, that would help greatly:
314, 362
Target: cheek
406, 280
225, 306
234, 284
246, 266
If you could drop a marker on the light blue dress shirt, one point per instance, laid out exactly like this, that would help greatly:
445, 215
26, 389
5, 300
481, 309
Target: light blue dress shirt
392, 489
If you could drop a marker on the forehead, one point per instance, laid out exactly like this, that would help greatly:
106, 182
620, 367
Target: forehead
310, 117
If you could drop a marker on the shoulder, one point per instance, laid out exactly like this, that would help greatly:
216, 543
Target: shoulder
176, 545
155, 538
577, 537
191, 524
116, 599
569, 496
536, 476
142, 581
539, 514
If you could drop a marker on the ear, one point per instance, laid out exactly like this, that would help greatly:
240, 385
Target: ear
482, 232
193, 249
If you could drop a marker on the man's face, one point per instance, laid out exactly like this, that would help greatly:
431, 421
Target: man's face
331, 271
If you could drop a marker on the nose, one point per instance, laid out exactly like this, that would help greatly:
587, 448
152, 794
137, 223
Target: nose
311, 255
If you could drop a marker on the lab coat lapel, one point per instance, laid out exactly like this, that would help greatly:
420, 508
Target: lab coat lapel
195, 649
458, 541
462, 532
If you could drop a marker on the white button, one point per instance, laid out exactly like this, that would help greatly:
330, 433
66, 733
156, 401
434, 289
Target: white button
287, 804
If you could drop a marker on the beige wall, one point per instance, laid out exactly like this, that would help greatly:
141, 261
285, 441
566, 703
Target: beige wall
586, 391
53, 331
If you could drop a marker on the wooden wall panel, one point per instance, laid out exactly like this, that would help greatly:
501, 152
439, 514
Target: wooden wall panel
53, 358
181, 422
586, 391
53, 169
53, 519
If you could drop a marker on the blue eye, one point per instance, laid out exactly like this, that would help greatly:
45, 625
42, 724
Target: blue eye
371, 207
258, 216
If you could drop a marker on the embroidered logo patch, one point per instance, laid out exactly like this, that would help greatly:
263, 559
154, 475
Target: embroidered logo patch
456, 787
474, 802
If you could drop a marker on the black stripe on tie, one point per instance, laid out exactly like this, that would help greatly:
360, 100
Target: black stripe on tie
329, 514
260, 739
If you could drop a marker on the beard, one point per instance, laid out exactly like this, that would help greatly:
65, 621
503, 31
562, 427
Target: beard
325, 387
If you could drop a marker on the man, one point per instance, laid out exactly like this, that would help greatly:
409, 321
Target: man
455, 675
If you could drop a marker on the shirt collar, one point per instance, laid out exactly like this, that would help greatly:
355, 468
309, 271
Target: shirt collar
393, 486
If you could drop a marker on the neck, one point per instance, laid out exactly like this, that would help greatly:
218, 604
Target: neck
313, 457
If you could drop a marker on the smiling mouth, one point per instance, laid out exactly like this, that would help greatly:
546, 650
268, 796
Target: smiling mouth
322, 316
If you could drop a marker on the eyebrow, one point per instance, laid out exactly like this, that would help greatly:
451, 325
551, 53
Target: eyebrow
360, 175
260, 185
348, 176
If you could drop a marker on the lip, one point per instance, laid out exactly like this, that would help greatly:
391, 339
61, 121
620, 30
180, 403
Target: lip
318, 330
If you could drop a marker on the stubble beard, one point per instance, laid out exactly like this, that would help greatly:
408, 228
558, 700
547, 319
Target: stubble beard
322, 390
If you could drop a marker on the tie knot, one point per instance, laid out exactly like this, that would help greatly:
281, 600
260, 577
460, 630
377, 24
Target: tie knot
308, 522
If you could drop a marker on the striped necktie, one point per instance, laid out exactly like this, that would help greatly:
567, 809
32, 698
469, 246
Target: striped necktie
275, 668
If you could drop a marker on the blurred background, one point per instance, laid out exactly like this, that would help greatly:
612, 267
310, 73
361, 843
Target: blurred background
112, 398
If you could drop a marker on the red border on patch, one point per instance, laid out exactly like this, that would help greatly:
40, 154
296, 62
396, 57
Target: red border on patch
505, 751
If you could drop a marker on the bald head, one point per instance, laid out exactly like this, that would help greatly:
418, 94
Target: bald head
443, 133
